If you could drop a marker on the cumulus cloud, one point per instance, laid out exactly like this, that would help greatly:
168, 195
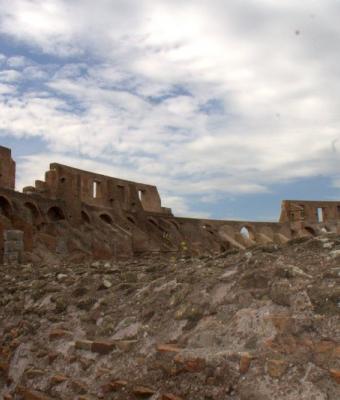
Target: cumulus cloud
207, 98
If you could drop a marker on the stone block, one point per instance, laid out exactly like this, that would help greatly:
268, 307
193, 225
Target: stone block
13, 246
12, 258
15, 235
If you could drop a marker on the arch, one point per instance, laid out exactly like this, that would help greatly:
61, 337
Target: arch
310, 230
55, 214
175, 224
294, 233
6, 208
106, 218
209, 229
131, 219
267, 231
33, 211
325, 229
247, 232
153, 222
168, 224
227, 230
85, 217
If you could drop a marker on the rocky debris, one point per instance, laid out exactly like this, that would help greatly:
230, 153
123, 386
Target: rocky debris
247, 325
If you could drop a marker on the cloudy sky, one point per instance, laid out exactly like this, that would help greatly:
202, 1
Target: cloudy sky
228, 106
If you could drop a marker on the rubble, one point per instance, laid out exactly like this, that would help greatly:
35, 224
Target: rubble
255, 324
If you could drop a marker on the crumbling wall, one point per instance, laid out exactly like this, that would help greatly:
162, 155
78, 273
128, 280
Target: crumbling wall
76, 214
311, 216
77, 186
7, 169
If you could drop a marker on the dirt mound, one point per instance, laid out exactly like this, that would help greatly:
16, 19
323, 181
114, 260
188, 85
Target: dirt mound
249, 325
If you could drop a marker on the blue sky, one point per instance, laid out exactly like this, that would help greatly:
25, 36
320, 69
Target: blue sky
228, 107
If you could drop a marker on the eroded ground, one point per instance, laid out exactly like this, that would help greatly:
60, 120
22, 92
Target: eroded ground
249, 325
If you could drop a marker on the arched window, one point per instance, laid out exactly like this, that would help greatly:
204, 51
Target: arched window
32, 212
131, 220
85, 217
310, 230
55, 214
106, 218
247, 233
175, 224
5, 207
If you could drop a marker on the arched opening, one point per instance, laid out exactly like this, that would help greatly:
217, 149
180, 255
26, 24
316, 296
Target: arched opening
247, 233
310, 230
131, 220
153, 222
55, 214
156, 225
32, 212
85, 217
208, 228
5, 207
175, 224
106, 218
293, 233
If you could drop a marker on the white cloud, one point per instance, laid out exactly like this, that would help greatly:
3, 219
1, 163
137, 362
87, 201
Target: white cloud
209, 97
6, 89
9, 75
17, 62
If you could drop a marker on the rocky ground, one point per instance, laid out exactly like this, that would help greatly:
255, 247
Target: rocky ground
247, 325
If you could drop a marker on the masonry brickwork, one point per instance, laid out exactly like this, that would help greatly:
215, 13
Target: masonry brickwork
76, 215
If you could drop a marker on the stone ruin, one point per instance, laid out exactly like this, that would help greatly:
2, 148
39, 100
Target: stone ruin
77, 215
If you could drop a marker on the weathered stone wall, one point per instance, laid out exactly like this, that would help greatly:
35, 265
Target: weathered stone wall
311, 216
7, 169
13, 247
77, 214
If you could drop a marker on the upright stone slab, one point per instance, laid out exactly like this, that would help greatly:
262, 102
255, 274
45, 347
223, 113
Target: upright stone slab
13, 246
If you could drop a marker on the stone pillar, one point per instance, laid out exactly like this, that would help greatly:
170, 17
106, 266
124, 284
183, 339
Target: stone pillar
13, 246
7, 169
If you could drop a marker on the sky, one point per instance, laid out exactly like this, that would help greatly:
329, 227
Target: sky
228, 106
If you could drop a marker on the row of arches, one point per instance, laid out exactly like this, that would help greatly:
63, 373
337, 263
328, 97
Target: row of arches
31, 211
34, 215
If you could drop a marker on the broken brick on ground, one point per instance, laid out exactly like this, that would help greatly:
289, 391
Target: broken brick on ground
255, 324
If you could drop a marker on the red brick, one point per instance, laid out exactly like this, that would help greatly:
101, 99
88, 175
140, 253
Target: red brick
56, 379
245, 361
114, 385
143, 391
168, 348
335, 374
170, 396
58, 334
28, 394
102, 347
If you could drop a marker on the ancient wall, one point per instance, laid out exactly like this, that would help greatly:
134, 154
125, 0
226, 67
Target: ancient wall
76, 186
7, 169
76, 214
310, 215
